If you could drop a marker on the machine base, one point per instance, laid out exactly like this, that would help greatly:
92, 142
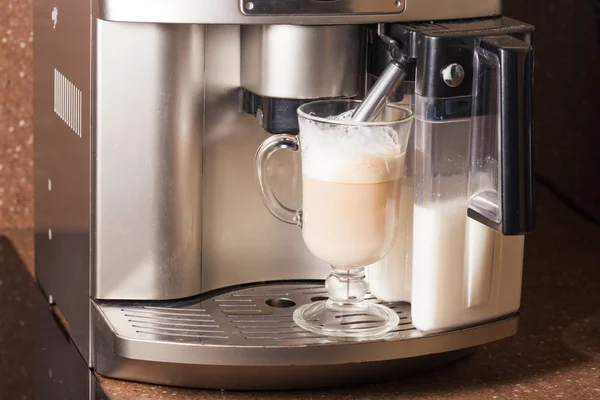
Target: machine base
244, 338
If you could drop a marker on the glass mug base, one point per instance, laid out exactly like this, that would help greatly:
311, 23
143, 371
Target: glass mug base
364, 320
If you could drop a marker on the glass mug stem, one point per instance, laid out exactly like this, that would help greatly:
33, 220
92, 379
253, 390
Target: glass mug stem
346, 286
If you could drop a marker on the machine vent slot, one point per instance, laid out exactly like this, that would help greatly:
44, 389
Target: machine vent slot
67, 102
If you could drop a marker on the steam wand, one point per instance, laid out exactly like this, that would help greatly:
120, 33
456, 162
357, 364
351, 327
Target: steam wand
389, 80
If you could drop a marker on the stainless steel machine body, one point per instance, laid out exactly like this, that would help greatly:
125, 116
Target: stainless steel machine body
150, 235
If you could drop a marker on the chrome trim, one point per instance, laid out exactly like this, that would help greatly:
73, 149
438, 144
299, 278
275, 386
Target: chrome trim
301, 62
311, 7
228, 12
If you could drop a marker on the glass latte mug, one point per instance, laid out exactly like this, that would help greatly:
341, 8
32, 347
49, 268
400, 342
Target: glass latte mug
351, 178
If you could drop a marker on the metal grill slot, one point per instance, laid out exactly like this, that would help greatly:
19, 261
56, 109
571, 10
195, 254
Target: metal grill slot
237, 305
231, 300
242, 312
264, 325
274, 332
394, 307
178, 329
179, 310
263, 317
168, 314
174, 319
160, 324
295, 288
291, 325
183, 335
402, 330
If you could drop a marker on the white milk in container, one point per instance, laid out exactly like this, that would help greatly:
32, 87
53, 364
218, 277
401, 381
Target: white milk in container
463, 272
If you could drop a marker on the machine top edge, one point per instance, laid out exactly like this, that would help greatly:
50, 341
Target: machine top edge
471, 28
229, 12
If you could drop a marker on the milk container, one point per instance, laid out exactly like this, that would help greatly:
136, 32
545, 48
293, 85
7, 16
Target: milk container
472, 187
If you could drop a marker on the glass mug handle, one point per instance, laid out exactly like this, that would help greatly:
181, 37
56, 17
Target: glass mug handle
261, 161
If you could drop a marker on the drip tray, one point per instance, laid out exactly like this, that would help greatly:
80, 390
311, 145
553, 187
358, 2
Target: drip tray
245, 338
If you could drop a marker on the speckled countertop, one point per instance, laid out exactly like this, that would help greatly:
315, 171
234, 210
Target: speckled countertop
16, 110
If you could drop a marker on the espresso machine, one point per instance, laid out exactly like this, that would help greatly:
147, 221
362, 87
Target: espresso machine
150, 236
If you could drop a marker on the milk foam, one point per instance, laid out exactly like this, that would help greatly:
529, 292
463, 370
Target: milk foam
351, 154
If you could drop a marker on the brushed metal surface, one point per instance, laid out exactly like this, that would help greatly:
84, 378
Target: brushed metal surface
228, 12
242, 242
62, 162
257, 377
148, 123
238, 328
301, 62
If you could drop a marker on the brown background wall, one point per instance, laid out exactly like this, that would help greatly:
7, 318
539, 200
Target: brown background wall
567, 85
567, 115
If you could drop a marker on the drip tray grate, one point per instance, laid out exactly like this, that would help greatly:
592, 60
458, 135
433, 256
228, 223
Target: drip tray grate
253, 326
246, 317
